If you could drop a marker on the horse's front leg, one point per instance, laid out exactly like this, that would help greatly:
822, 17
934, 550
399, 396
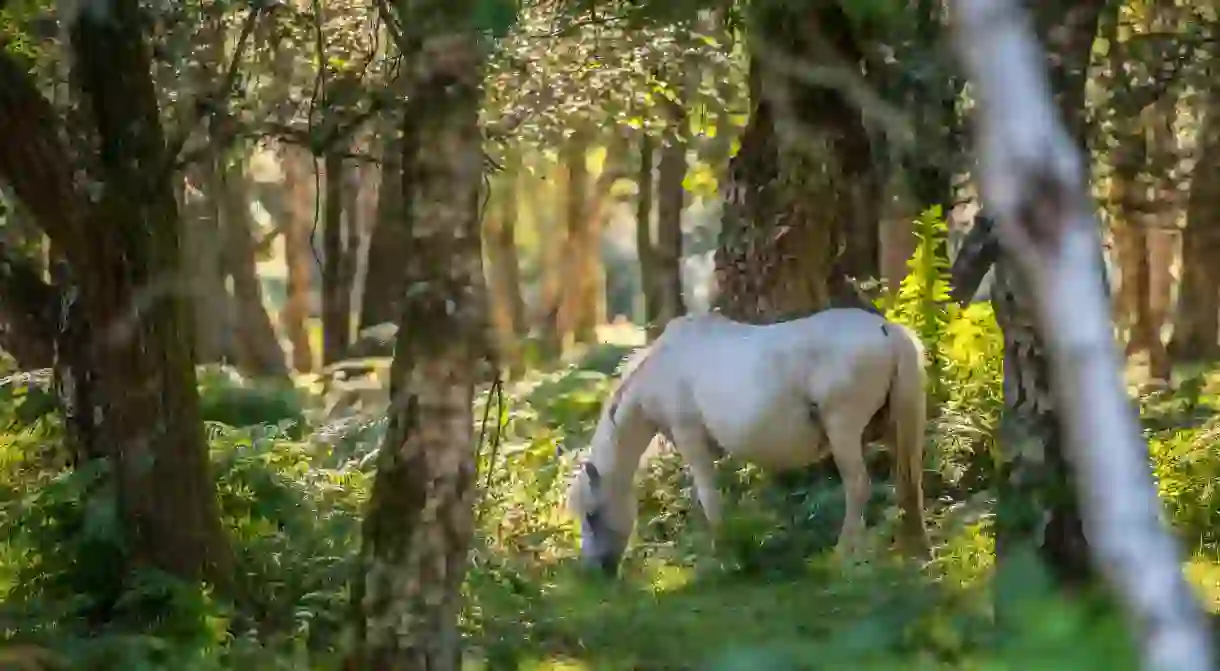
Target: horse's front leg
847, 449
693, 445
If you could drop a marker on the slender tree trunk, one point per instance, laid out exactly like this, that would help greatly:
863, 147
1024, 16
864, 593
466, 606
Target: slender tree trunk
645, 244
336, 285
551, 330
1038, 510
203, 262
576, 252
298, 257
503, 271
420, 519
258, 351
383, 277
671, 201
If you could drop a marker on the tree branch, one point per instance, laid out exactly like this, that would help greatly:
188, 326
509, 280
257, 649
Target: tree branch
979, 251
34, 158
1033, 179
27, 309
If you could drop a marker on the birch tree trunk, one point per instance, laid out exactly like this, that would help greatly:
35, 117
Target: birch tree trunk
1037, 502
1033, 179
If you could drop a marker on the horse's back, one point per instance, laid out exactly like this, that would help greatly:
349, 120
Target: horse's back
756, 388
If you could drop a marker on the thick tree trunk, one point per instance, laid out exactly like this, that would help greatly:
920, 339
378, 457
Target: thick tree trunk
383, 276
802, 184
258, 351
336, 281
645, 244
1196, 328
573, 316
671, 201
298, 257
420, 519
504, 273
127, 360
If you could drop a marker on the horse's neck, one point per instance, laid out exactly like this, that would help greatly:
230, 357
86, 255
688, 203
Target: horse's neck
619, 443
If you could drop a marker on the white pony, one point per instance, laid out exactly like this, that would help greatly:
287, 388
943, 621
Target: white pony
781, 395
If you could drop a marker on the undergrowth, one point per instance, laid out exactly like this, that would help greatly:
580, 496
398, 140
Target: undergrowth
764, 595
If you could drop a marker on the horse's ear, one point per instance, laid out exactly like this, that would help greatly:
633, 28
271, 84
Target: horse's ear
591, 473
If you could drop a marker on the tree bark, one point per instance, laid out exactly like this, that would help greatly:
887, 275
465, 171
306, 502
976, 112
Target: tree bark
420, 519
383, 277
503, 271
203, 238
1037, 504
298, 257
802, 184
573, 315
644, 240
336, 281
1034, 179
126, 354
671, 201
552, 327
1196, 328
258, 351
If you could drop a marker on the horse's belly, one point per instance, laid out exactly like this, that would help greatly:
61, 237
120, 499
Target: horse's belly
783, 438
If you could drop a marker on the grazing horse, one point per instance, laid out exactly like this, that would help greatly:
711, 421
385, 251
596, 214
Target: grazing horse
782, 396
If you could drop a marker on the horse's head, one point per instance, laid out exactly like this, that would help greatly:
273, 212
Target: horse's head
606, 516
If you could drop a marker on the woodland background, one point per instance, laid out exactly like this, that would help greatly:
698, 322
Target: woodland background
213, 215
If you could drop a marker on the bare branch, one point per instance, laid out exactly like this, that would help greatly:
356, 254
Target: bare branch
1033, 178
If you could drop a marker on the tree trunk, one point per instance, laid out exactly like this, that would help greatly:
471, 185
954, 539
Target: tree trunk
298, 257
336, 285
131, 384
203, 261
503, 271
420, 519
258, 351
1196, 328
1037, 504
383, 276
671, 201
552, 328
644, 241
802, 184
573, 315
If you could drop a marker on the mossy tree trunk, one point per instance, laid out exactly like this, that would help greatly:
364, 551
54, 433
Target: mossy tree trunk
802, 184
124, 358
420, 518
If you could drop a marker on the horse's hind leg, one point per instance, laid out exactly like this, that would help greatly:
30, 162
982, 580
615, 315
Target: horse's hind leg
847, 449
692, 443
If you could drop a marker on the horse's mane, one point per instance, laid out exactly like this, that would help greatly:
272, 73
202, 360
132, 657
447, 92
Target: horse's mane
626, 370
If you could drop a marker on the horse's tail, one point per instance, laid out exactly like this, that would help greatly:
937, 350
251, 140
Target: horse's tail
908, 414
